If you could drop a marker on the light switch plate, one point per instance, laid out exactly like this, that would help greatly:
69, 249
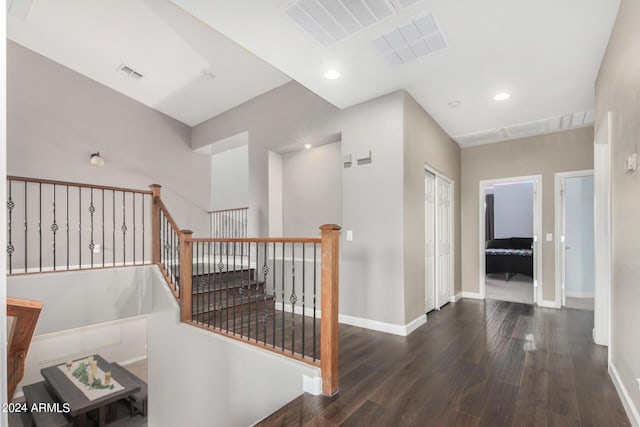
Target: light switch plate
630, 164
349, 235
549, 237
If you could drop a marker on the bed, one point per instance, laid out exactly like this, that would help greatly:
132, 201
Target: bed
510, 256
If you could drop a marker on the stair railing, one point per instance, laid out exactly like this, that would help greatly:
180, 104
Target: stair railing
61, 226
25, 315
229, 223
280, 294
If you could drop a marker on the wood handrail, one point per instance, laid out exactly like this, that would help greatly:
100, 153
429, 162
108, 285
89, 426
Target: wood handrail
244, 208
258, 240
76, 184
167, 215
26, 313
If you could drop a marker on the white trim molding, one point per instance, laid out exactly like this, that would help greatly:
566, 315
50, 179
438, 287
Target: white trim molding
632, 412
472, 295
549, 304
361, 322
390, 328
456, 297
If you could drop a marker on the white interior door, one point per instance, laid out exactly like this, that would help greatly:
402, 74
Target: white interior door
430, 241
443, 239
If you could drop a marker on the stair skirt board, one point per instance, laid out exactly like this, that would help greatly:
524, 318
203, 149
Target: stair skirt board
375, 325
632, 412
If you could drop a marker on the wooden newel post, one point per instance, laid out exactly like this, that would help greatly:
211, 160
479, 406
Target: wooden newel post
330, 234
186, 269
155, 224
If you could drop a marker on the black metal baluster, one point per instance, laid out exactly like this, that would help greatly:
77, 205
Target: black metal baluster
113, 229
10, 248
227, 281
177, 272
80, 228
26, 261
303, 323
133, 197
209, 287
226, 291
283, 310
67, 211
92, 209
315, 260
248, 288
162, 242
235, 269
234, 289
40, 221
144, 261
124, 231
195, 284
54, 227
102, 226
273, 282
265, 275
293, 298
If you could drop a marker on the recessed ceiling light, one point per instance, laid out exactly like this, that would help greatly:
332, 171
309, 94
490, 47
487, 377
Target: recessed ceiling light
331, 74
307, 145
502, 96
455, 104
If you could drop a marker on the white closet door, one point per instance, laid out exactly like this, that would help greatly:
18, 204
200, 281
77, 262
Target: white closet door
430, 241
443, 238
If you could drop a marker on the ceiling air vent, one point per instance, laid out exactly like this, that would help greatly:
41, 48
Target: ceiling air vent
330, 21
130, 72
419, 37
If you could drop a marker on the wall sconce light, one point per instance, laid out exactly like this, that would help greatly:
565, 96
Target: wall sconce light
96, 159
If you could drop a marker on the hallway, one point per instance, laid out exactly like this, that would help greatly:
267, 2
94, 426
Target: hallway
474, 363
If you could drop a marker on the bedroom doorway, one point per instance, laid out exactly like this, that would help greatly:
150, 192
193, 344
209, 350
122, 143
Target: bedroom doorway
510, 224
438, 256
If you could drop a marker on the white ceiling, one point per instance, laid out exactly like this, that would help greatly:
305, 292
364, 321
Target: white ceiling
546, 53
171, 49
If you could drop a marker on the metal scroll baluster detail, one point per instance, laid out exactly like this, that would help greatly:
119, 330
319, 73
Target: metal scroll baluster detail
54, 227
124, 232
265, 274
293, 298
10, 248
92, 210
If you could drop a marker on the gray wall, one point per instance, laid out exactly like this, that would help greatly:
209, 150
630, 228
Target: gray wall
56, 118
281, 117
372, 266
424, 143
513, 210
311, 189
545, 155
617, 90
230, 179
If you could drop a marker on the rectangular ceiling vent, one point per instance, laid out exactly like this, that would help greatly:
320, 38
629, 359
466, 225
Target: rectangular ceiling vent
130, 72
330, 21
419, 37
521, 130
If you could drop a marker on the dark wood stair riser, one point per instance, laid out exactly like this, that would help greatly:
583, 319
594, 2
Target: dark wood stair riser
224, 276
207, 295
209, 314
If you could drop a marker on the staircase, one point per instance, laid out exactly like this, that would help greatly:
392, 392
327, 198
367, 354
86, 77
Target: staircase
224, 298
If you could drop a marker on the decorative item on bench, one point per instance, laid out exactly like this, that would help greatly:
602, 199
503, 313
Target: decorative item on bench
89, 378
509, 256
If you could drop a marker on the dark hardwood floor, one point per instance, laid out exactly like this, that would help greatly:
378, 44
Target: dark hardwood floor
474, 363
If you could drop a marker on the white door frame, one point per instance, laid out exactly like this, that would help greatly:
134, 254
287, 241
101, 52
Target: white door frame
559, 203
452, 228
602, 233
537, 232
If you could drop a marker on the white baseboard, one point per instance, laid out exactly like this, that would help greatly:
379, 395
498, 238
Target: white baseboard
629, 407
390, 328
375, 325
548, 304
580, 294
456, 297
472, 295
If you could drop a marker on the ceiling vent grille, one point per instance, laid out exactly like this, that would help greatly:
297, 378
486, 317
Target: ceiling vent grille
130, 72
538, 127
330, 21
419, 37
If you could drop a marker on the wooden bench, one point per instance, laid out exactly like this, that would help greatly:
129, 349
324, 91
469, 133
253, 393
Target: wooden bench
40, 393
138, 400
